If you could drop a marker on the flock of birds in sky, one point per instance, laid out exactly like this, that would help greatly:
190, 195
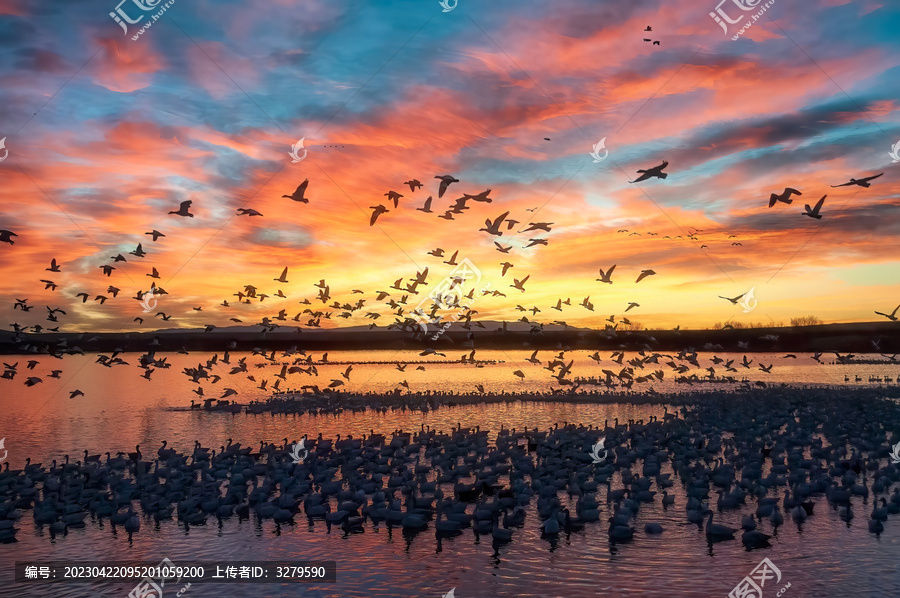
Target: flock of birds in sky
396, 296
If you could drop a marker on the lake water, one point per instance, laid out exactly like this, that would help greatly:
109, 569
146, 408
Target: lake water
823, 557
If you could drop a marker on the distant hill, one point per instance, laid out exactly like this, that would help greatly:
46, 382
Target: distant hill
854, 337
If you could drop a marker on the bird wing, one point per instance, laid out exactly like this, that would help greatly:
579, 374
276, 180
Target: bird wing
789, 190
185, 205
869, 178
819, 204
844, 185
301, 188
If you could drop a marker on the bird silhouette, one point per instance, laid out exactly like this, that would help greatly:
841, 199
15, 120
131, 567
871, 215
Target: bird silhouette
482, 197
784, 197
394, 197
379, 210
493, 228
183, 209
656, 171
299, 192
644, 274
54, 267
283, 277
506, 266
6, 236
520, 284
413, 184
892, 316
863, 182
427, 207
501, 248
156, 234
733, 301
814, 212
605, 277
446, 180
247, 212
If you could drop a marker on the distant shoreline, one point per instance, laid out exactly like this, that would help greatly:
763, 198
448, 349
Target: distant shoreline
853, 337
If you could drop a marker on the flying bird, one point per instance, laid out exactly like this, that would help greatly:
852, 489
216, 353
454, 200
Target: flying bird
49, 284
784, 197
413, 184
493, 228
247, 212
394, 197
544, 226
54, 267
427, 207
75, 393
656, 171
814, 212
379, 210
446, 180
156, 234
605, 277
863, 182
733, 301
5, 236
299, 192
519, 284
537, 242
183, 209
893, 315
483, 196
155, 274
506, 266
501, 248
283, 277
644, 274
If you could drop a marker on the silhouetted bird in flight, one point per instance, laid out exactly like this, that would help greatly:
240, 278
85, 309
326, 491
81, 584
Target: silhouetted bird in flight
733, 301
501, 248
644, 274
156, 234
183, 209
53, 266
379, 210
427, 207
299, 192
6, 236
814, 212
784, 197
483, 196
656, 171
605, 277
893, 315
247, 212
413, 184
864, 182
393, 196
445, 182
494, 227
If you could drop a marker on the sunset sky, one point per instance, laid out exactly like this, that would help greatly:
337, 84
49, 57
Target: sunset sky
105, 135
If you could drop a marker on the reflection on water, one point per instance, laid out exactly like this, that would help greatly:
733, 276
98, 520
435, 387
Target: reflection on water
824, 557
